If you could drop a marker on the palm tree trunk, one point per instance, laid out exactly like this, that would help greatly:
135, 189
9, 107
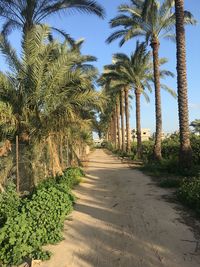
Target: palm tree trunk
138, 123
128, 139
122, 119
109, 132
55, 161
118, 124
185, 157
61, 150
115, 128
157, 148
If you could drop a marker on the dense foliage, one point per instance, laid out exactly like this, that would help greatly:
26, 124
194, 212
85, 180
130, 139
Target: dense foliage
170, 148
30, 222
189, 193
71, 177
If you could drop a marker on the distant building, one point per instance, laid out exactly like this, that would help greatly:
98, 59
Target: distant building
145, 134
97, 142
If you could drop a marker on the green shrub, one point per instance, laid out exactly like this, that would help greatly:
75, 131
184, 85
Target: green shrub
14, 240
71, 176
147, 150
169, 166
28, 224
195, 143
170, 148
109, 146
170, 183
189, 193
9, 203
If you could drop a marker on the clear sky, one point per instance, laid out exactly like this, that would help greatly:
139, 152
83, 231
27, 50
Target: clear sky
95, 31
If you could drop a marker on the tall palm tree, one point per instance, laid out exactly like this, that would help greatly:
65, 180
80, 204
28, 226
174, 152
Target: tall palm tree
24, 14
118, 89
122, 113
185, 156
152, 20
127, 118
118, 123
137, 71
49, 90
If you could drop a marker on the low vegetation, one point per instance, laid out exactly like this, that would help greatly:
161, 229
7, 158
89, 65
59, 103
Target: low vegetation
189, 193
29, 222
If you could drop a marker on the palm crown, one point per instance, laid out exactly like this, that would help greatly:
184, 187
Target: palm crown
24, 14
50, 81
147, 18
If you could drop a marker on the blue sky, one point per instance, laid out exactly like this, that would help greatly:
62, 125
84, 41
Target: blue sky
95, 31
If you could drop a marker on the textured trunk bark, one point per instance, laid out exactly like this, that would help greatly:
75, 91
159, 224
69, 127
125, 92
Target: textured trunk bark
29, 16
109, 132
113, 125
118, 125
128, 139
107, 136
157, 148
55, 162
122, 120
185, 156
115, 128
17, 164
138, 123
61, 151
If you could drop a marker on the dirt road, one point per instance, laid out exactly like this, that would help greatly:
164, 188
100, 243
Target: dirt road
122, 219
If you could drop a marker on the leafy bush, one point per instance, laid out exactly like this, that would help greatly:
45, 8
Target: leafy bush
189, 193
195, 143
170, 183
9, 204
170, 151
147, 150
71, 176
170, 148
36, 220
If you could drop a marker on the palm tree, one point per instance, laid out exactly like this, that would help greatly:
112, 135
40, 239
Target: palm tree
122, 113
24, 14
127, 117
152, 20
48, 91
137, 71
117, 89
185, 156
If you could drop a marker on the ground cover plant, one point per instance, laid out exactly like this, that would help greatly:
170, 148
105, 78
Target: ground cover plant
27, 223
189, 193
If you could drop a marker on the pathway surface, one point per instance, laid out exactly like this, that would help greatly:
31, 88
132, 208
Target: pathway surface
122, 219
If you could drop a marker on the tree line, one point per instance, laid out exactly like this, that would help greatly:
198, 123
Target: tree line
47, 97
142, 71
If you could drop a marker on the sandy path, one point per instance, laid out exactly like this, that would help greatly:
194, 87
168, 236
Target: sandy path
123, 220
